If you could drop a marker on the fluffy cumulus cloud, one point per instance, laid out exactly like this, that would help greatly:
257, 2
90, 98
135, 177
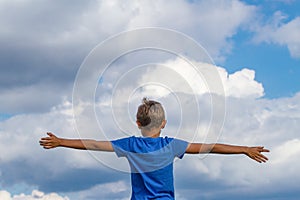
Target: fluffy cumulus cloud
201, 78
218, 22
249, 121
42, 51
252, 122
35, 195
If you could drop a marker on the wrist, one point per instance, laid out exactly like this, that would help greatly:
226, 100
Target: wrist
60, 142
245, 150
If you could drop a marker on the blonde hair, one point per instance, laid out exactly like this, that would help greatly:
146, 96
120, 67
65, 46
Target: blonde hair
150, 114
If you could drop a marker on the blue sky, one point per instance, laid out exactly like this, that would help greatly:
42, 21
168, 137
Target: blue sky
255, 46
273, 63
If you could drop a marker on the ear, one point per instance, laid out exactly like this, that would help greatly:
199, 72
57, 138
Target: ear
163, 124
138, 124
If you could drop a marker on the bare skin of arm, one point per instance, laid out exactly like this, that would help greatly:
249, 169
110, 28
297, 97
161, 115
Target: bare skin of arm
52, 142
254, 153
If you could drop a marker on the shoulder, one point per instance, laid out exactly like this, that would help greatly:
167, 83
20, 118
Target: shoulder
123, 141
172, 139
125, 138
123, 145
176, 146
175, 143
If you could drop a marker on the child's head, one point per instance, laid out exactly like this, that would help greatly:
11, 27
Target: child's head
150, 115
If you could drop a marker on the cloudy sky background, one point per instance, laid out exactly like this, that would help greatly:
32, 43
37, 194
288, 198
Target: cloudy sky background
254, 44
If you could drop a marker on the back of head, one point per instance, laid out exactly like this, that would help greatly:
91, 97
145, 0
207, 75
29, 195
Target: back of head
150, 114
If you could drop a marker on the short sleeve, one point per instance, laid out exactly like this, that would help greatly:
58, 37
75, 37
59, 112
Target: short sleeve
179, 147
121, 146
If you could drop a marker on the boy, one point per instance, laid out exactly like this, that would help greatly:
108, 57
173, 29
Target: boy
151, 156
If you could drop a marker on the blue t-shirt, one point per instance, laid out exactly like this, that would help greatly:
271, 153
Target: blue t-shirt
151, 164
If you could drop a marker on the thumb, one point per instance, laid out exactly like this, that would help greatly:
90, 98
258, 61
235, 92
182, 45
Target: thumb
50, 134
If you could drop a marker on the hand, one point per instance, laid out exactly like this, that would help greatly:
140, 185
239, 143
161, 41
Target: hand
255, 153
50, 142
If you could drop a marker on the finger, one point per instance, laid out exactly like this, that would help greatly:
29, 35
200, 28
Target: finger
265, 150
262, 149
46, 138
257, 159
262, 158
45, 142
50, 134
42, 141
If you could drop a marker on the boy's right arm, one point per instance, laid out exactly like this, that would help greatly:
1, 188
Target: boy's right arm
52, 142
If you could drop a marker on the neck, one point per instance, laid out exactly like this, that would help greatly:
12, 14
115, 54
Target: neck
151, 133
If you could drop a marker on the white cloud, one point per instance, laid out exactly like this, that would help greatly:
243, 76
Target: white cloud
249, 121
218, 22
242, 84
46, 49
116, 190
37, 98
5, 195
24, 135
180, 76
279, 32
35, 195
84, 24
72, 32
287, 151
271, 123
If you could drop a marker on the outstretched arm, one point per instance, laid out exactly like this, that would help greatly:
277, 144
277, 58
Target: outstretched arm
52, 142
254, 153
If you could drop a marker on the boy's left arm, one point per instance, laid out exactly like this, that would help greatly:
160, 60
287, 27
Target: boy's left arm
254, 153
